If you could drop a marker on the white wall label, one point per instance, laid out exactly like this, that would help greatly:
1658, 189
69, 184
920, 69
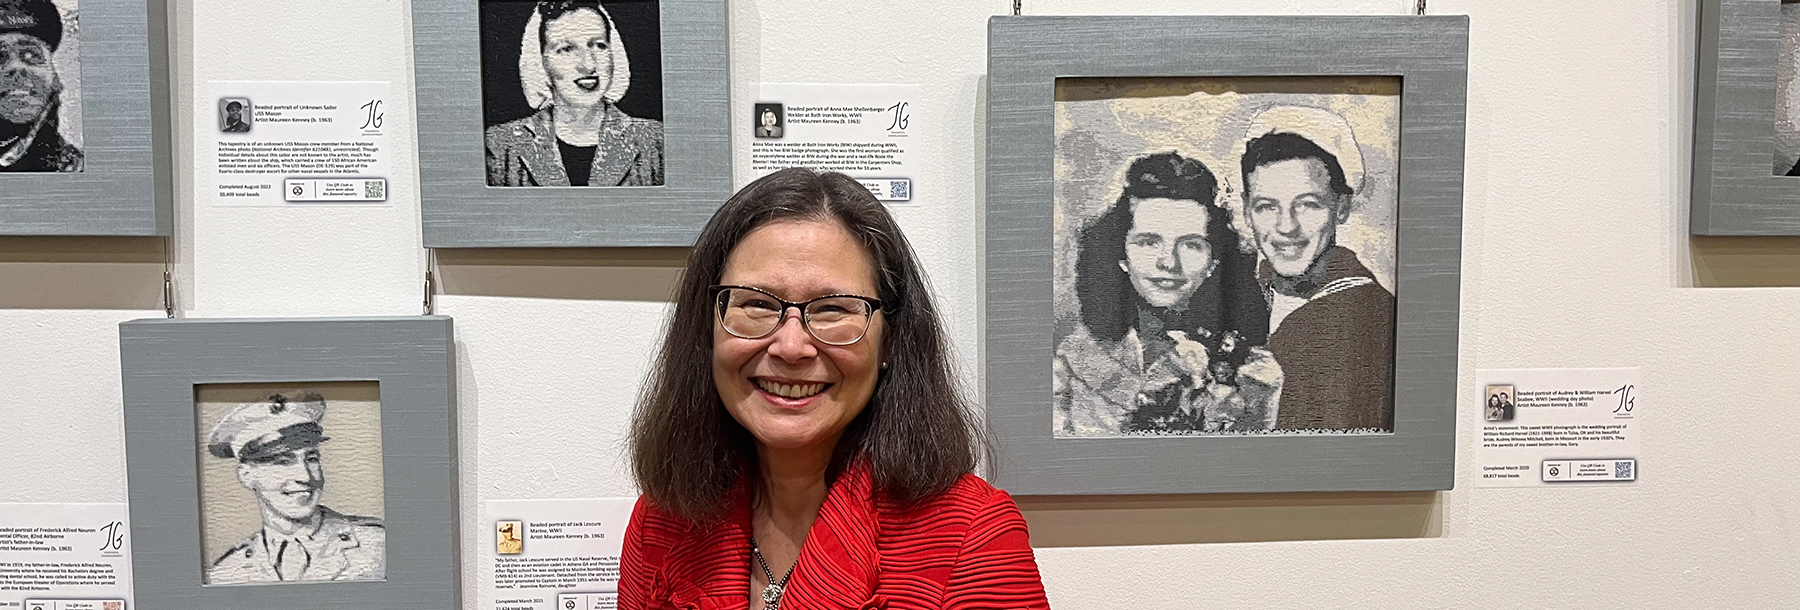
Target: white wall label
553, 554
1557, 427
867, 132
64, 557
279, 143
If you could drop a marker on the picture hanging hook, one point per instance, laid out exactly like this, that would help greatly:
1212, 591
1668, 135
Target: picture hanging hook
1421, 8
1019, 7
430, 280
168, 294
169, 276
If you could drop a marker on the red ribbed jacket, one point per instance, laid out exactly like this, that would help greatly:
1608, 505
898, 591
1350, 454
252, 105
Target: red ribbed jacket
966, 549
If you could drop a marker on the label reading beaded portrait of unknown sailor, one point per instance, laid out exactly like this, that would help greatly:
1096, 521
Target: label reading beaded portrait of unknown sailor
291, 483
572, 92
1224, 254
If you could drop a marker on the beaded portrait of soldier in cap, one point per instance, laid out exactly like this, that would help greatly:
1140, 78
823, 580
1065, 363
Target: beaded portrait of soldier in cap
1224, 253
40, 71
291, 483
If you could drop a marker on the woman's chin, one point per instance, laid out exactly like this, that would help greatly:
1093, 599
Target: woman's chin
791, 438
1162, 300
574, 97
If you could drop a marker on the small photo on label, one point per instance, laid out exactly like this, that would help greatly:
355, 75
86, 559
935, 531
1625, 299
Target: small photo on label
771, 121
235, 115
509, 537
1500, 403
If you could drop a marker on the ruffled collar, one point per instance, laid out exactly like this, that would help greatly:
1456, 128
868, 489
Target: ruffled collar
838, 568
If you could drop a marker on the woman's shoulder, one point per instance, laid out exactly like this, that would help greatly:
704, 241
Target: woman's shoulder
651, 520
523, 129
641, 129
972, 487
965, 502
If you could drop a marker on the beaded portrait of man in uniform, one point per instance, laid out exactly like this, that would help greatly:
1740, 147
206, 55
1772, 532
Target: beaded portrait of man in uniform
266, 455
1224, 255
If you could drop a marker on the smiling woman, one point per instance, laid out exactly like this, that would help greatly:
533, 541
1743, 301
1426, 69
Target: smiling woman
1168, 335
803, 401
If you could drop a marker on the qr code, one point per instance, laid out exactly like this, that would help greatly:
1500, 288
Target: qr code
1623, 470
900, 189
374, 189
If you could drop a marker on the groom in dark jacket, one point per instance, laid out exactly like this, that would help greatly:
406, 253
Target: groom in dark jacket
1331, 323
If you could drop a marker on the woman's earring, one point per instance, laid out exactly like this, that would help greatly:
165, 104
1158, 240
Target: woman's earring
884, 366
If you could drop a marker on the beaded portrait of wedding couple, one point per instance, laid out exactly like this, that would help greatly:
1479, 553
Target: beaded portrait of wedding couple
1224, 254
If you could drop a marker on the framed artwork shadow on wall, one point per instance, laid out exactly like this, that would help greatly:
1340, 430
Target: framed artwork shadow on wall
571, 123
298, 463
84, 127
1223, 253
1746, 174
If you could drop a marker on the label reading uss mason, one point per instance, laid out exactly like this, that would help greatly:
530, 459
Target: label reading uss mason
299, 143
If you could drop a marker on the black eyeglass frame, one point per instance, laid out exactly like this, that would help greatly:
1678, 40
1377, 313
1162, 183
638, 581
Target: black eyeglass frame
719, 311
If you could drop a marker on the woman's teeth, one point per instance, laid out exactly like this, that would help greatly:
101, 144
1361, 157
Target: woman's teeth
784, 390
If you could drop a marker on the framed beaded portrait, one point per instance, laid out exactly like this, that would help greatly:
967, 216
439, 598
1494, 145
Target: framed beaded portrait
309, 461
1746, 174
85, 128
571, 123
1222, 252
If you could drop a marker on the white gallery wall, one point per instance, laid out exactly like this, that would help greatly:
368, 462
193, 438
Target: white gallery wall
1575, 255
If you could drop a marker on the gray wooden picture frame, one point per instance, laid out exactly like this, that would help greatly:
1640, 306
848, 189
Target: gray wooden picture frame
1025, 57
460, 210
126, 184
1734, 190
412, 360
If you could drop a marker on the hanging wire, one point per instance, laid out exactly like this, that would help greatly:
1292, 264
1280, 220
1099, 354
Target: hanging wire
169, 267
1019, 7
168, 290
430, 280
1421, 7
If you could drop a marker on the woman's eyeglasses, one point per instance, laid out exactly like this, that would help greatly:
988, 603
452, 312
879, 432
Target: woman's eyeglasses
839, 319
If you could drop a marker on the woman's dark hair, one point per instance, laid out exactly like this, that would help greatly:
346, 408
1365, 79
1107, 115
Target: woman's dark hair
549, 10
1227, 300
1283, 146
916, 434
